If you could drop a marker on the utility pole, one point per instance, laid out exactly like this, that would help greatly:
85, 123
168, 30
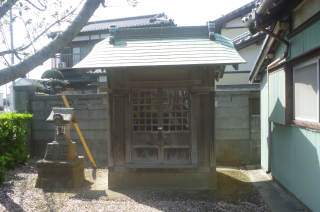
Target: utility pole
12, 62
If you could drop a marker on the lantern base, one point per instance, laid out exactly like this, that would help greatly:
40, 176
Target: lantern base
60, 174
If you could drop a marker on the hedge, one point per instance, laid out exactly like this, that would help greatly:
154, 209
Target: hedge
12, 141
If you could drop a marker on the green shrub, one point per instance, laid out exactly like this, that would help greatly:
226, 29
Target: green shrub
12, 143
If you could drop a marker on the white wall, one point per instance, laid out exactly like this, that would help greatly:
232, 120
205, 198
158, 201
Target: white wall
304, 11
79, 38
102, 78
249, 54
232, 33
234, 79
235, 23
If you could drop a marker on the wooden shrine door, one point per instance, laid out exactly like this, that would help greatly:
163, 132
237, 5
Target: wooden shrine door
160, 127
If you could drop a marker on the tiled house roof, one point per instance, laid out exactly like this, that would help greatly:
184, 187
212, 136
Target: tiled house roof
137, 21
152, 20
244, 8
246, 38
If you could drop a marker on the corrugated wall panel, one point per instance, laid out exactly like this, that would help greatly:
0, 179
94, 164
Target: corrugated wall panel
264, 121
277, 97
296, 162
304, 41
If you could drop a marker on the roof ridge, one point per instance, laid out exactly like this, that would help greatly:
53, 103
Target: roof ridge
235, 10
124, 19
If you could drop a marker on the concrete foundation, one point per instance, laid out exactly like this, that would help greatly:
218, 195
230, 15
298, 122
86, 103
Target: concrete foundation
162, 180
60, 174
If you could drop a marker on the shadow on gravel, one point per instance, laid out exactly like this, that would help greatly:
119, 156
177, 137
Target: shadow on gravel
235, 192
8, 187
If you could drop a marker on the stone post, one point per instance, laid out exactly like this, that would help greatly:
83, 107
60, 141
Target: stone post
23, 104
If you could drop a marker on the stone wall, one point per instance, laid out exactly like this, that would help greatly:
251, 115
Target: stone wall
91, 111
237, 134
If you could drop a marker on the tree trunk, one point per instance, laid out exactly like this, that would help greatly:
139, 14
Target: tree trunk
21, 69
5, 7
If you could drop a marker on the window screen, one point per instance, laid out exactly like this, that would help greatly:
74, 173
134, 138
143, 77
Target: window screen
145, 111
175, 110
306, 92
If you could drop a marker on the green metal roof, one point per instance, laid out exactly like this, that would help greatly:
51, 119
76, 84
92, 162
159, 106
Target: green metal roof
162, 46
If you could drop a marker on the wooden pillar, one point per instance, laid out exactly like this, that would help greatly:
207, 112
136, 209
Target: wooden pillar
212, 143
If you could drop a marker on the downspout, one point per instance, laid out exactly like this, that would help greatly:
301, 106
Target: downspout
269, 147
280, 39
269, 132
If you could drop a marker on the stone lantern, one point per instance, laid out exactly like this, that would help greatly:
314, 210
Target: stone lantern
61, 166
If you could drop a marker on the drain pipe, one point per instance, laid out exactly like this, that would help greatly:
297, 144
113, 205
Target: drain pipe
280, 39
269, 148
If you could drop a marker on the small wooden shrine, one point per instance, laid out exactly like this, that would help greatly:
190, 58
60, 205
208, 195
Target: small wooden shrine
161, 87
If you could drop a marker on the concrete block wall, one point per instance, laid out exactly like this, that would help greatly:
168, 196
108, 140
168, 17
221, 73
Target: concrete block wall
93, 120
234, 129
255, 136
23, 104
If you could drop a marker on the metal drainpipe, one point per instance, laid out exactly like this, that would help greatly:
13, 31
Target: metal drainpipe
280, 39
269, 147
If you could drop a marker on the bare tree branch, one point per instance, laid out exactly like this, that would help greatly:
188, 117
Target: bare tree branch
17, 56
21, 69
5, 7
45, 7
22, 48
6, 61
41, 3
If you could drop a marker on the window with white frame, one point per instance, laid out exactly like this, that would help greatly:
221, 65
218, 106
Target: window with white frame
306, 91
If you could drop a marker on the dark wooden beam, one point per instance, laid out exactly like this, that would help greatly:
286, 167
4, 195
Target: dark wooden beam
162, 84
202, 89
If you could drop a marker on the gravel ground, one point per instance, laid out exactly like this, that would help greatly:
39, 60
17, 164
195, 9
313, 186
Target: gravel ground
235, 193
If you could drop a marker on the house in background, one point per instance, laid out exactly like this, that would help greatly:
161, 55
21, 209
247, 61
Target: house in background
237, 118
84, 82
287, 68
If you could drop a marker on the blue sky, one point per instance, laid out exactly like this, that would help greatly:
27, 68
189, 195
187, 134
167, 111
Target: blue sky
184, 13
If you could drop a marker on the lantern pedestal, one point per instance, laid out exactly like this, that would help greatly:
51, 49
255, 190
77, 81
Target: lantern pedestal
60, 174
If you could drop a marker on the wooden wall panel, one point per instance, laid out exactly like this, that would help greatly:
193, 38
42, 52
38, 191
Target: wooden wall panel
204, 127
119, 130
212, 145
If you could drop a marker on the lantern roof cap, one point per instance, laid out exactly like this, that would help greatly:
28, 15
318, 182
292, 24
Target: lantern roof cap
62, 116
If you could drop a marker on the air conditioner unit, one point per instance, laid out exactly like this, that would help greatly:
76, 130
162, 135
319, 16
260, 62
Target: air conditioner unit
62, 65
